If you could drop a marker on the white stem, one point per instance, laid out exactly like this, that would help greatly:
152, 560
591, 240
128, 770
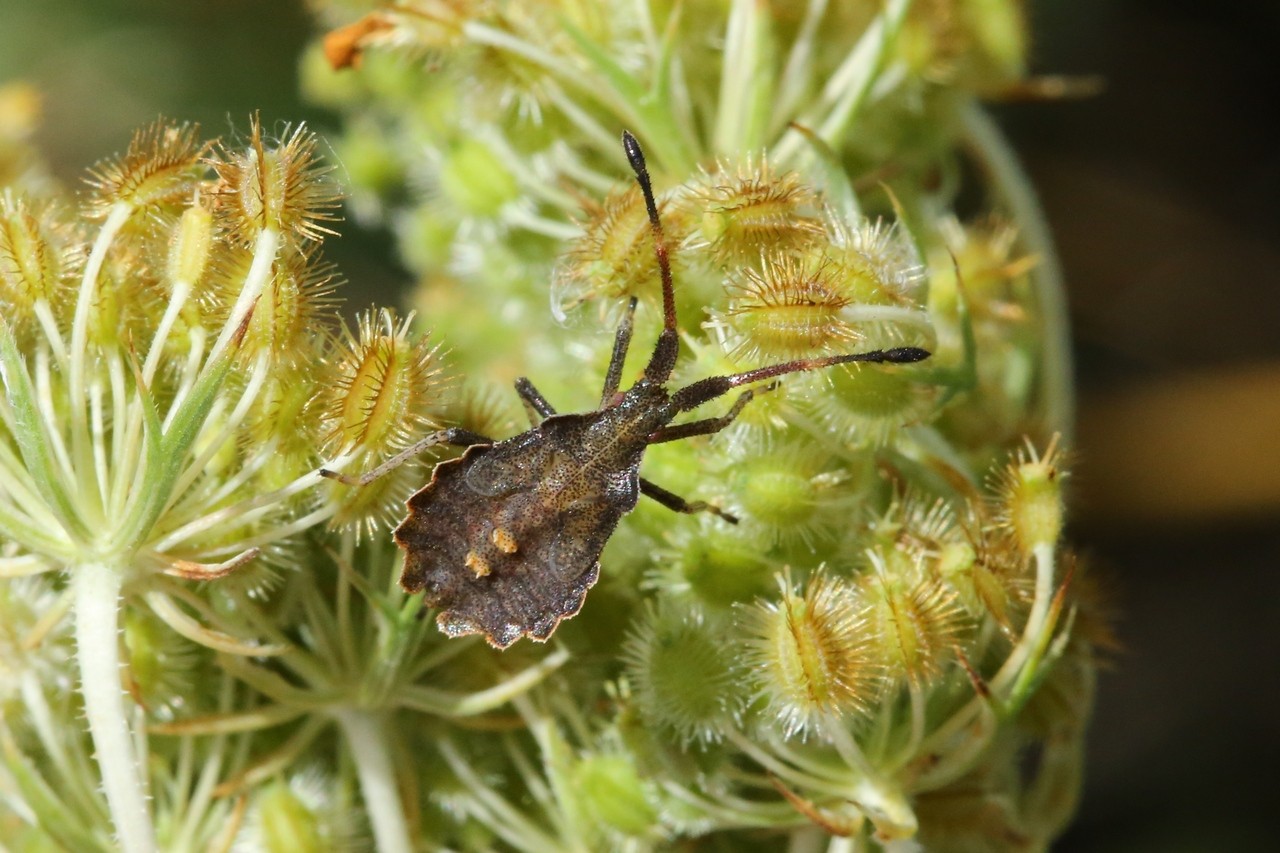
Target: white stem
84, 301
255, 281
98, 652
1043, 553
181, 290
377, 780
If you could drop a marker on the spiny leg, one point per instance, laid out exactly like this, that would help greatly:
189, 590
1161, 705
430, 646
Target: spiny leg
534, 403
710, 425
621, 342
692, 396
663, 360
674, 502
453, 435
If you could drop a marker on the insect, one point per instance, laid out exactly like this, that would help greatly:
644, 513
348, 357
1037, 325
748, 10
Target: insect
505, 539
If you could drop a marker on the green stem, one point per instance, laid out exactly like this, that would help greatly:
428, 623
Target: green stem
97, 612
368, 746
1011, 183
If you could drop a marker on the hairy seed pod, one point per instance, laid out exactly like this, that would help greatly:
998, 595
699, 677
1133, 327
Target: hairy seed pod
384, 390
296, 303
35, 258
279, 186
811, 655
914, 616
881, 267
789, 307
162, 168
748, 209
791, 491
866, 407
683, 672
159, 663
1029, 496
719, 566
614, 258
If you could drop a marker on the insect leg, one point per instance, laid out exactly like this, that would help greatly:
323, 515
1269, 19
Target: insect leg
453, 435
620, 344
674, 502
710, 425
692, 396
534, 403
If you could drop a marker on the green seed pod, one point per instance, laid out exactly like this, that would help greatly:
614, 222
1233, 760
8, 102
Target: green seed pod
791, 493
720, 565
684, 673
285, 823
747, 209
611, 791
160, 663
1029, 496
867, 406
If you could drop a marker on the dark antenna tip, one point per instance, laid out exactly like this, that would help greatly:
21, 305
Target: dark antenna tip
632, 146
906, 355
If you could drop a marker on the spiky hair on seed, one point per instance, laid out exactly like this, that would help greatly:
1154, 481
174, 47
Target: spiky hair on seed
881, 265
276, 184
614, 258
1027, 494
811, 655
297, 302
745, 208
39, 252
955, 544
787, 306
922, 523
163, 165
915, 617
386, 387
685, 673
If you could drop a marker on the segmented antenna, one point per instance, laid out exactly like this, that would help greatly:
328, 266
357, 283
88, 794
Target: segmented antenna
664, 354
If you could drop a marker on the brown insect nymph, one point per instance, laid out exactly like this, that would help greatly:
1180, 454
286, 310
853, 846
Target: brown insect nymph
505, 540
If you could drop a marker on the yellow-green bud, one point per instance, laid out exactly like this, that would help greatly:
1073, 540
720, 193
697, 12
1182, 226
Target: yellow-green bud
612, 791
192, 242
286, 824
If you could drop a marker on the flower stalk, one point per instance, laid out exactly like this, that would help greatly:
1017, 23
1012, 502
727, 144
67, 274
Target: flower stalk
367, 741
97, 618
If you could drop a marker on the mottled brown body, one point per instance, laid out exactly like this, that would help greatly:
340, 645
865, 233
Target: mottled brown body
535, 511
506, 539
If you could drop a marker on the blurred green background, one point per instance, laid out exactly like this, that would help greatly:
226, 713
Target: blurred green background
1164, 195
